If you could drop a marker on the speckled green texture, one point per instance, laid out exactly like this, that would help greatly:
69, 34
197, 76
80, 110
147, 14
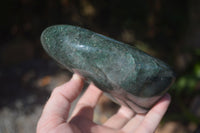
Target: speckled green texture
130, 76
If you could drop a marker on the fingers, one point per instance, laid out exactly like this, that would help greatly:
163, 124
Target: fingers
87, 102
118, 120
57, 107
148, 122
154, 116
134, 123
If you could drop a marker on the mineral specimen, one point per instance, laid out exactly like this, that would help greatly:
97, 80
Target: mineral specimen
129, 76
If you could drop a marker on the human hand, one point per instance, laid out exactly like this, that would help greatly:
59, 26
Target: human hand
55, 116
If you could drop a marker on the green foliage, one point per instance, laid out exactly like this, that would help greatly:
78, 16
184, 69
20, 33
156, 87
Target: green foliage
197, 70
186, 84
183, 92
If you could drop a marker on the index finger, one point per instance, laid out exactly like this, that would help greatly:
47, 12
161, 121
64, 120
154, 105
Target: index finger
155, 115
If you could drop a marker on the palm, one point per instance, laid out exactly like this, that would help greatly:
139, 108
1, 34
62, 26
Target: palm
55, 114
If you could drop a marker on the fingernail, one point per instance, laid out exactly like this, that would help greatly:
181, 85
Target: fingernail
76, 77
167, 96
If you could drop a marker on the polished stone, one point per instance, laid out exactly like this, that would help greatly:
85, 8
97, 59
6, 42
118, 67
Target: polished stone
128, 75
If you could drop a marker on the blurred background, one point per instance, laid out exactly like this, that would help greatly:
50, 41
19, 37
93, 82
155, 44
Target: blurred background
167, 29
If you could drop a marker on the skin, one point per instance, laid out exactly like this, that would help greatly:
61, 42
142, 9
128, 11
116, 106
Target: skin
55, 119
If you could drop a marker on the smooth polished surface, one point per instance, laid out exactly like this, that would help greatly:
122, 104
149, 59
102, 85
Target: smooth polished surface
128, 75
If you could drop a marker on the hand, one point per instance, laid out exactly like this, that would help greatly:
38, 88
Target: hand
55, 119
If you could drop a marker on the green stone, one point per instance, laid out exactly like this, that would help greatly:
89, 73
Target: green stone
128, 75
